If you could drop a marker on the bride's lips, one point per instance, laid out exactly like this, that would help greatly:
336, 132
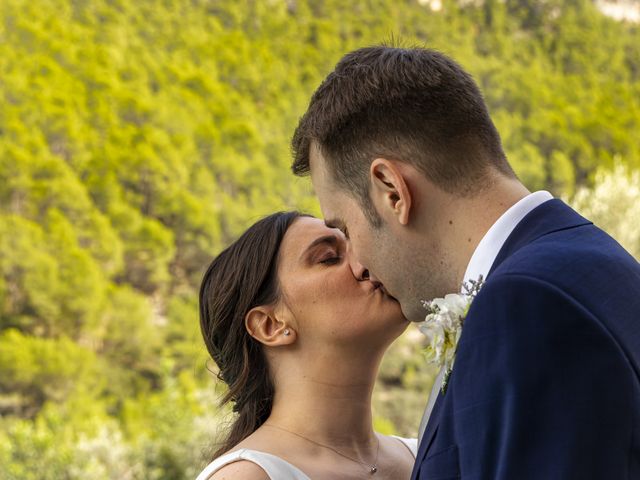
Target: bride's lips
380, 286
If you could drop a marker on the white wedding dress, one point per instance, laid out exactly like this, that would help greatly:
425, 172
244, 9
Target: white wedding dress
276, 468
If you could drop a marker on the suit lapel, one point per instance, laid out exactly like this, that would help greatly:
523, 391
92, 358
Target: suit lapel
429, 433
551, 216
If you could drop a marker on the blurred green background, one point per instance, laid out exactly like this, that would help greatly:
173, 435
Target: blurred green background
138, 138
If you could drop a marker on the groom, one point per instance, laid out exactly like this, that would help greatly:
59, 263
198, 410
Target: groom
407, 163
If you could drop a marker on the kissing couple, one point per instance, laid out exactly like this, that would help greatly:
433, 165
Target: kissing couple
419, 199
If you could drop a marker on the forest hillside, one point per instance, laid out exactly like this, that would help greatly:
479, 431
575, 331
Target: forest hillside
138, 138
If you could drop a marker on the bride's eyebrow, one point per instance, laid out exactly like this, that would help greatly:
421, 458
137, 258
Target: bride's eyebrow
324, 240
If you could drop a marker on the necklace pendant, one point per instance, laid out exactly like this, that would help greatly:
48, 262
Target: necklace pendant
373, 469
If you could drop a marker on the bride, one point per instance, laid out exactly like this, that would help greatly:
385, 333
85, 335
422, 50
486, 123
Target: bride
298, 329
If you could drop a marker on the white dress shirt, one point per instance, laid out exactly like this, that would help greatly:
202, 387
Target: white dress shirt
482, 261
490, 245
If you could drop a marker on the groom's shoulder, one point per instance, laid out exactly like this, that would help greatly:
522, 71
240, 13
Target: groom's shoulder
581, 266
573, 258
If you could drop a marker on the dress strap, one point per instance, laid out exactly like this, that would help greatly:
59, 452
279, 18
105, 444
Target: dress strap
275, 467
410, 443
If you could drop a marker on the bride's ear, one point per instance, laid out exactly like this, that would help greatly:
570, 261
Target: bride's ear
263, 325
389, 189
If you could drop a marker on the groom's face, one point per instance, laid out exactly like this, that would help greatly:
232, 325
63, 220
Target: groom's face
369, 245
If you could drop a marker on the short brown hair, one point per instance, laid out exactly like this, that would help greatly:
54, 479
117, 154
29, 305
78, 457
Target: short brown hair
409, 104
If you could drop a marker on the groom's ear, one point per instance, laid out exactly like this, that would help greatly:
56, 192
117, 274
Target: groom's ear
390, 192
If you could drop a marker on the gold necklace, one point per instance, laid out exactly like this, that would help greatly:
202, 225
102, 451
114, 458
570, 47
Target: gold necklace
371, 467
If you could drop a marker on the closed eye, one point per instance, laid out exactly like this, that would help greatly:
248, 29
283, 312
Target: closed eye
331, 260
329, 255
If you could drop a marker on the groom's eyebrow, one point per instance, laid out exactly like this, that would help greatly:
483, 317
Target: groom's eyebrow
333, 223
324, 240
337, 224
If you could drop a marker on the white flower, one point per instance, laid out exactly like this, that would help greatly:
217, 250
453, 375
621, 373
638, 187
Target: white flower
436, 336
449, 311
443, 326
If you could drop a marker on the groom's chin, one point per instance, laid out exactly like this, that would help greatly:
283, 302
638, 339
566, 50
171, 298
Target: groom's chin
411, 316
414, 315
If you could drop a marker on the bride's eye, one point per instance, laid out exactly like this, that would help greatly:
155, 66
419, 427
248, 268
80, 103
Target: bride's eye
332, 260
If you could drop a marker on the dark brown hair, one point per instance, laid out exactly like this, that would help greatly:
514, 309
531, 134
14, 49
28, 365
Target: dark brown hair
410, 104
242, 277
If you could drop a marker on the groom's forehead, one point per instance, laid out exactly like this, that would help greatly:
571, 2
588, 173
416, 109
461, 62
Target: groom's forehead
318, 167
317, 162
325, 186
335, 203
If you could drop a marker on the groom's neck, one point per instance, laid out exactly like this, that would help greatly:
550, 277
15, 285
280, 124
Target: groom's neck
479, 213
460, 222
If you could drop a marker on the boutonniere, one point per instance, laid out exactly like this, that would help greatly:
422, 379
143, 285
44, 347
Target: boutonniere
443, 326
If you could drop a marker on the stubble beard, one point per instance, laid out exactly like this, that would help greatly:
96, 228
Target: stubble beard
433, 277
419, 276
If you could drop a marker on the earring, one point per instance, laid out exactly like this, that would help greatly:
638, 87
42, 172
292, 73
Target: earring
286, 332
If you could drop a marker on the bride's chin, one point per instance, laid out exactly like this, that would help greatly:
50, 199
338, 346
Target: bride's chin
397, 319
399, 313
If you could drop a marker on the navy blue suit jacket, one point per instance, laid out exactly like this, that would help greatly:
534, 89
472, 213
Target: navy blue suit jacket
546, 381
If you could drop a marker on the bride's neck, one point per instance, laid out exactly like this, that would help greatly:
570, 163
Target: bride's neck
327, 402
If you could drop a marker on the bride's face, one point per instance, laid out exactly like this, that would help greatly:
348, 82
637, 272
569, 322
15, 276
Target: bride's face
328, 294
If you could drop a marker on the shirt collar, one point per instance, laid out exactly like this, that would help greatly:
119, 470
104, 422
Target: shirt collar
490, 245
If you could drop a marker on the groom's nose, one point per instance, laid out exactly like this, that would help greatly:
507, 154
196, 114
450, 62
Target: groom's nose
359, 270
373, 278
